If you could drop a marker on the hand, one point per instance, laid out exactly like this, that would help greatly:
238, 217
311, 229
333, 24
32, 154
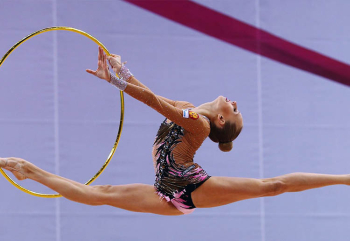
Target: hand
102, 67
115, 61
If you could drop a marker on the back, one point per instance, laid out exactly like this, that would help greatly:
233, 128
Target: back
187, 144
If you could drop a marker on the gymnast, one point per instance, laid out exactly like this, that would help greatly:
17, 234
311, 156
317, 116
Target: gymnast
180, 184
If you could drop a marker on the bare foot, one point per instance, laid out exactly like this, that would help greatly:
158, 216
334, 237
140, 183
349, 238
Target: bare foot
16, 166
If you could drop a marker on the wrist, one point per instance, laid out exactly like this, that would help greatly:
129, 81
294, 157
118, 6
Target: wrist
124, 73
118, 82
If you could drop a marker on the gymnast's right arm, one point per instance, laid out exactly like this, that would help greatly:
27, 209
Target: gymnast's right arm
119, 67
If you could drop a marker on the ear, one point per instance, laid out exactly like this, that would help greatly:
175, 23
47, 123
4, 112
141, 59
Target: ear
221, 120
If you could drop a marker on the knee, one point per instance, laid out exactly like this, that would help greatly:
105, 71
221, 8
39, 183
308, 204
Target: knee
274, 187
104, 189
100, 194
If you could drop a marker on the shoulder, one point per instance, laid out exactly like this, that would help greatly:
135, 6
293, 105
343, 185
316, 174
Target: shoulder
201, 123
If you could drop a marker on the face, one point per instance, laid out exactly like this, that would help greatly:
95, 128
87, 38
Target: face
228, 111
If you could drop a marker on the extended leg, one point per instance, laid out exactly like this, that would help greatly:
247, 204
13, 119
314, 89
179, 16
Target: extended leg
219, 191
132, 197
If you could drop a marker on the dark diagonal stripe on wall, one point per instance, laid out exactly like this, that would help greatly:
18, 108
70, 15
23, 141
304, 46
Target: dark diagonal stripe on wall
248, 37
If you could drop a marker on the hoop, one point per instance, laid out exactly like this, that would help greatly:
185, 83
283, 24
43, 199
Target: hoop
121, 112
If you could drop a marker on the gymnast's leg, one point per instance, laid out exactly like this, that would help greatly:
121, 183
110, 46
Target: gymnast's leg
132, 197
218, 191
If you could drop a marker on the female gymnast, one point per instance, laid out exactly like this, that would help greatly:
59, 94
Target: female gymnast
181, 185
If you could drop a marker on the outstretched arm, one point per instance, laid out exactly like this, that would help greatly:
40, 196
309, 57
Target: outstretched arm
162, 105
118, 67
132, 80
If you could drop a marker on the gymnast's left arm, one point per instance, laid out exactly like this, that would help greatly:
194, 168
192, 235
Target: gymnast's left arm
118, 67
162, 105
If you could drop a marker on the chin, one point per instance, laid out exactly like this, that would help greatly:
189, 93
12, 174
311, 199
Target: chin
223, 99
220, 98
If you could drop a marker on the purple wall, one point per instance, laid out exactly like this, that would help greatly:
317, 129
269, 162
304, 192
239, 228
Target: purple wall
65, 121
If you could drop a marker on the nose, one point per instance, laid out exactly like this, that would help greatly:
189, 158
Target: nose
234, 103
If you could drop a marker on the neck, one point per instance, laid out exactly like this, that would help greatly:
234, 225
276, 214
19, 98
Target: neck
206, 109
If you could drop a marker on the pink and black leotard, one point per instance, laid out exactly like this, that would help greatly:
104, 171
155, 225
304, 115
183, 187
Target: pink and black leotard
175, 181
173, 151
176, 173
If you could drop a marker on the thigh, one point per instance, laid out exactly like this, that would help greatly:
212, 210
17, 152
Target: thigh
138, 198
218, 191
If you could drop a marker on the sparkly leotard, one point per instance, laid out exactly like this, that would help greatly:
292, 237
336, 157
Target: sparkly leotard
176, 173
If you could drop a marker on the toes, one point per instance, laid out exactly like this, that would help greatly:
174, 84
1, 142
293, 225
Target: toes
3, 162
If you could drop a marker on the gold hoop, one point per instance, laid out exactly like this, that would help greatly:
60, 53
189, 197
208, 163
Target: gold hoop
121, 112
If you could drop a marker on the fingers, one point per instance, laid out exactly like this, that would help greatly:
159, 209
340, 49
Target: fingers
102, 58
3, 162
110, 60
105, 60
99, 64
114, 61
102, 66
116, 57
100, 52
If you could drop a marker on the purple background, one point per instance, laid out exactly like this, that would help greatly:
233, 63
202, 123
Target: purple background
65, 121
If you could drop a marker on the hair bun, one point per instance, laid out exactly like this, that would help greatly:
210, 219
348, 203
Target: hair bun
225, 146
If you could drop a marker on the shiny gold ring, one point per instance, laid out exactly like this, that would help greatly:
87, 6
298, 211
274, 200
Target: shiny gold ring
121, 112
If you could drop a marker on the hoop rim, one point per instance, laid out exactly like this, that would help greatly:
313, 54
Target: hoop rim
121, 110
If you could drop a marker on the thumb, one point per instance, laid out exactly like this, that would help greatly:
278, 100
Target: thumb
91, 72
